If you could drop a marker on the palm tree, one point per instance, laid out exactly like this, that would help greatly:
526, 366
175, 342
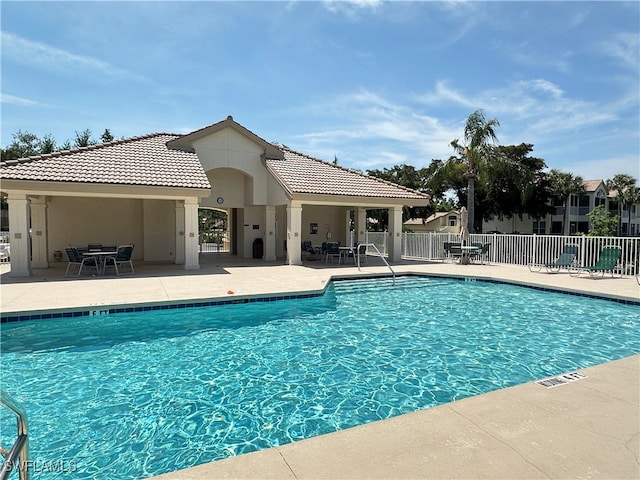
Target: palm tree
476, 149
626, 193
563, 185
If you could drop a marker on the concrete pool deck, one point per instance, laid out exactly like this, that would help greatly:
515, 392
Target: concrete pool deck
589, 428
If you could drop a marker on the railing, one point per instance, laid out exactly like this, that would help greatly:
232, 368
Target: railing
524, 249
20, 448
373, 245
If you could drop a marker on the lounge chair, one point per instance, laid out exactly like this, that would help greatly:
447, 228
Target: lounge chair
566, 260
77, 261
607, 262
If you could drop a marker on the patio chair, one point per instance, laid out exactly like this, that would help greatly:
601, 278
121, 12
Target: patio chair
455, 251
77, 261
481, 253
607, 262
5, 252
307, 248
333, 251
566, 260
122, 257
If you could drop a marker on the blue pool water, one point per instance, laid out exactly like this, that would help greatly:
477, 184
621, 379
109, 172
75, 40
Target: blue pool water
131, 395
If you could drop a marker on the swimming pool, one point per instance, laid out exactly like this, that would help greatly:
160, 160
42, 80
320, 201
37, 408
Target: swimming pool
137, 394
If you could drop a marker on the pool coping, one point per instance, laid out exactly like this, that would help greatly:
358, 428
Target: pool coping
231, 298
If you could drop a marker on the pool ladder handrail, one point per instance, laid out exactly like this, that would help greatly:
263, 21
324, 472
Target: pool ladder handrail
366, 246
20, 448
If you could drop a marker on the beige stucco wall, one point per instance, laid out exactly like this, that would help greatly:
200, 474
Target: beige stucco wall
228, 184
509, 225
327, 218
229, 149
159, 218
79, 221
149, 224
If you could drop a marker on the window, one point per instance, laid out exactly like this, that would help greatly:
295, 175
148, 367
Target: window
453, 220
539, 227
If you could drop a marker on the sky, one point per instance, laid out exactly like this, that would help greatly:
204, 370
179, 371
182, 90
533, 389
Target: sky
373, 84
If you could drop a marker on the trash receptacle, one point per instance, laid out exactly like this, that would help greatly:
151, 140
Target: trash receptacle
258, 248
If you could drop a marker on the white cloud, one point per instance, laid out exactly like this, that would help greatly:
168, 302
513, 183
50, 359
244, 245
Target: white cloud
47, 57
624, 47
373, 131
19, 101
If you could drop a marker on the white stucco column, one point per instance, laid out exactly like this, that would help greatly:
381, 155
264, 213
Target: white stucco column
39, 233
19, 240
361, 224
348, 239
270, 231
191, 261
294, 228
179, 233
395, 234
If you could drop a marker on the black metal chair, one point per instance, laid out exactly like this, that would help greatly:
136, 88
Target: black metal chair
77, 261
122, 257
333, 251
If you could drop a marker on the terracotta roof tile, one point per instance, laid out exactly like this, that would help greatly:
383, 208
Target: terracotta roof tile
136, 161
304, 174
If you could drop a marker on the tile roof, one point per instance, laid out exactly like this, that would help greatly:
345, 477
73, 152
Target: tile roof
160, 159
301, 173
430, 218
592, 185
142, 160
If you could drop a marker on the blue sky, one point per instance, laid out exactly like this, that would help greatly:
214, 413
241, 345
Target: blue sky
374, 84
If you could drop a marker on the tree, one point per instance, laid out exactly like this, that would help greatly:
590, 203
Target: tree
513, 184
563, 185
623, 187
603, 224
477, 149
47, 144
83, 139
106, 136
24, 144
407, 176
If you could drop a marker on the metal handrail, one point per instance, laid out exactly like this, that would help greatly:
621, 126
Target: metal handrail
367, 245
21, 446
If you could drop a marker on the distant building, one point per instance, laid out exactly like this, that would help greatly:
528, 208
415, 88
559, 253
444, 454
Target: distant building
440, 222
579, 207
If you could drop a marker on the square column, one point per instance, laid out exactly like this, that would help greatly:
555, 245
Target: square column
180, 249
191, 226
19, 240
39, 233
395, 234
270, 240
294, 227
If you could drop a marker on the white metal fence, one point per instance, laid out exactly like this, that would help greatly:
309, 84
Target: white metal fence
517, 249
